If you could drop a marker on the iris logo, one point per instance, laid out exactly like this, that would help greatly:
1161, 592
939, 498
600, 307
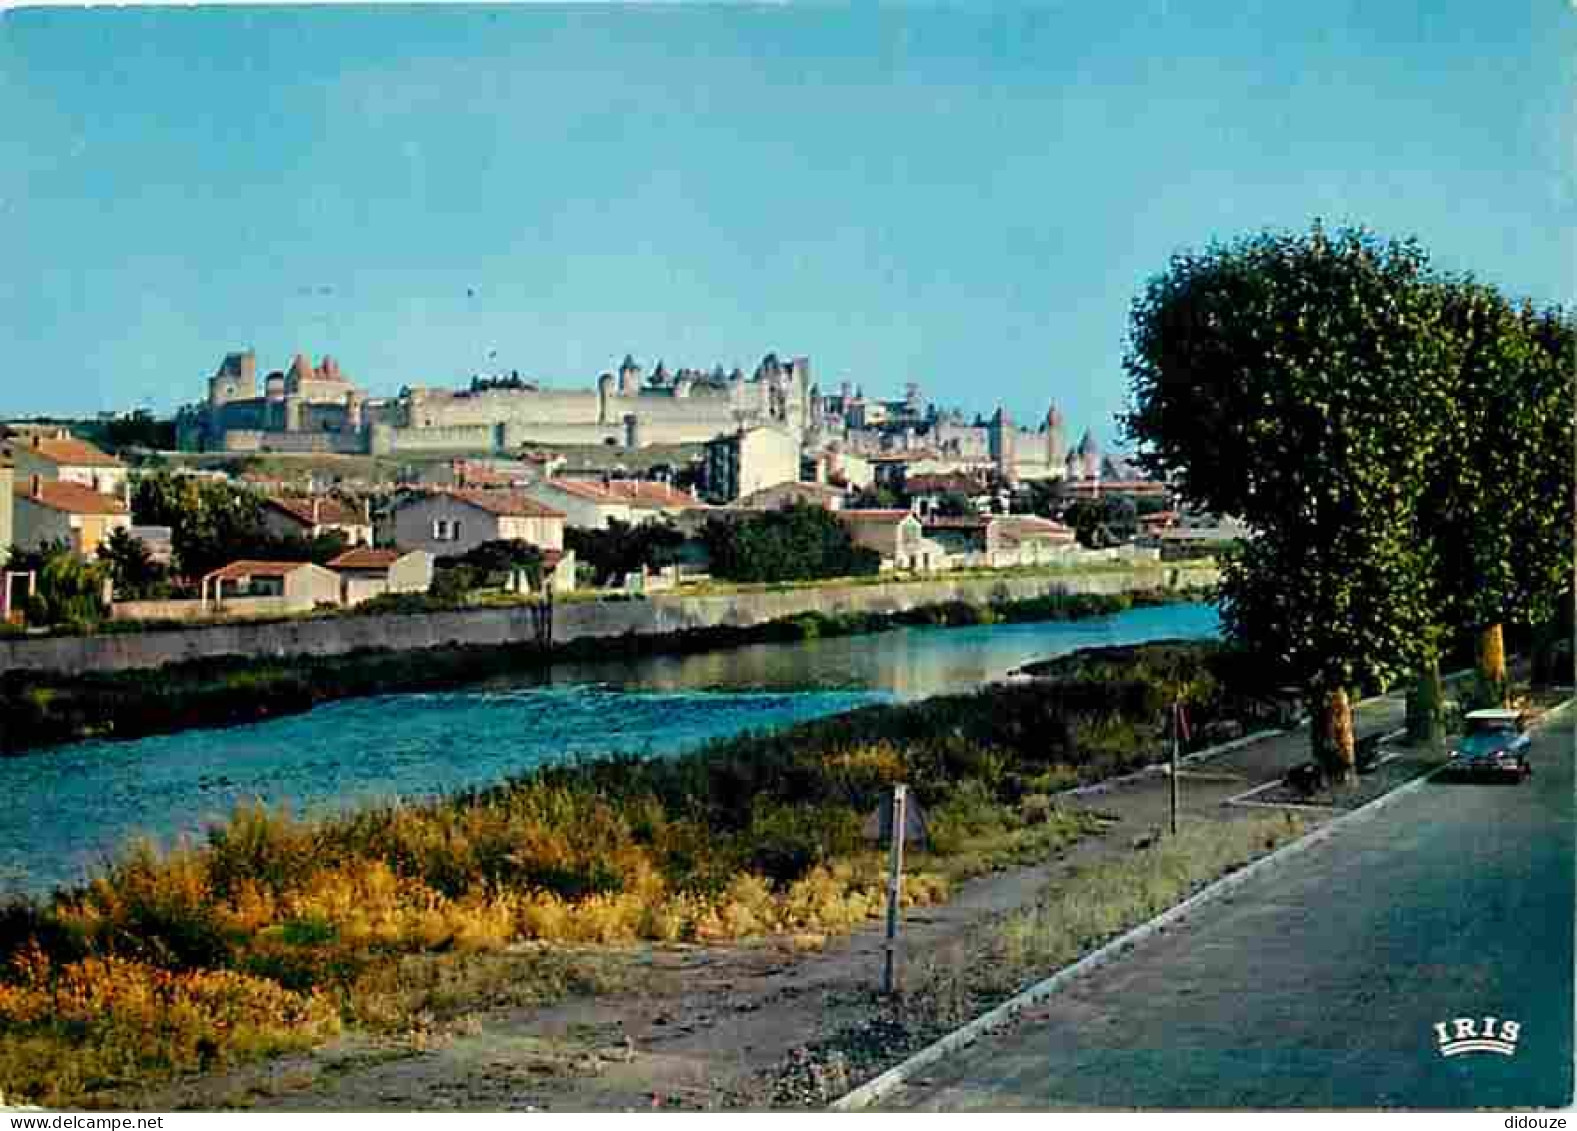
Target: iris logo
1477, 1034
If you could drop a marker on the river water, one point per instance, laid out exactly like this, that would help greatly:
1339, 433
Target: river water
72, 806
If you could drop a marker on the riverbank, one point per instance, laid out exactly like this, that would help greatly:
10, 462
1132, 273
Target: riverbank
274, 934
777, 1022
570, 622
39, 709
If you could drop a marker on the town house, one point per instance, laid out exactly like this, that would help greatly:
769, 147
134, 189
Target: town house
309, 517
53, 510
452, 523
62, 457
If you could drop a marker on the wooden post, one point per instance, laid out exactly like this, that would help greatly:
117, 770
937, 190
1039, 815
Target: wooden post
1176, 738
894, 892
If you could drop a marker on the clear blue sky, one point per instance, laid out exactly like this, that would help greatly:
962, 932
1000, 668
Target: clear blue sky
963, 196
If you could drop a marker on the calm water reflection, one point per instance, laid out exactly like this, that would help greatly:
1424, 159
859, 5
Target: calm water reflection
72, 806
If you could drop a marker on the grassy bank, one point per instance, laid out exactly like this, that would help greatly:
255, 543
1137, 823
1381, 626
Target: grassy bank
40, 709
273, 933
1073, 916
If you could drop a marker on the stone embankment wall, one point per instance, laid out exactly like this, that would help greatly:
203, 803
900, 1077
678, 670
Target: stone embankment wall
657, 615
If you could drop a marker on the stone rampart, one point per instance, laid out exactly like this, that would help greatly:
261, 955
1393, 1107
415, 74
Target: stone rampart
327, 636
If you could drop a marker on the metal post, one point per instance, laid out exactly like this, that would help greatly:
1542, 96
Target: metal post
1176, 738
894, 893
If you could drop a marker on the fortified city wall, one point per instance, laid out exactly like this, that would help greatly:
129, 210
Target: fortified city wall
329, 636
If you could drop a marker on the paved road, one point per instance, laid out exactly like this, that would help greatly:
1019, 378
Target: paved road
1318, 984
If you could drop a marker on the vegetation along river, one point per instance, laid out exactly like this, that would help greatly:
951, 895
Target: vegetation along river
71, 807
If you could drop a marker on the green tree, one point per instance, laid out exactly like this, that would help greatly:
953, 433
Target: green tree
493, 562
213, 523
623, 547
1302, 382
1504, 552
131, 566
954, 504
797, 542
67, 590
1107, 521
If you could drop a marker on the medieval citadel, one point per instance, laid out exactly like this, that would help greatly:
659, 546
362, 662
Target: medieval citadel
318, 408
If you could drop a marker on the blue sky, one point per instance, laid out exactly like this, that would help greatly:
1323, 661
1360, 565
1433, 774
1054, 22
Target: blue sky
962, 195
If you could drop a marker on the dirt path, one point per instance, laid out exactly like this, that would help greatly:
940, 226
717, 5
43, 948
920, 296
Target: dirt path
714, 1026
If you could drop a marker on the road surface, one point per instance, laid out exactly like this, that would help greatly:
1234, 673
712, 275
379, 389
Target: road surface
1319, 983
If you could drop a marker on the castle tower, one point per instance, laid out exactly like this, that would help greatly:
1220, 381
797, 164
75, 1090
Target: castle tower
629, 377
999, 443
274, 401
235, 379
605, 393
1055, 448
300, 371
1089, 456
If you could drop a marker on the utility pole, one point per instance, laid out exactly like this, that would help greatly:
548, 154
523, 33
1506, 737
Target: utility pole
894, 891
1177, 718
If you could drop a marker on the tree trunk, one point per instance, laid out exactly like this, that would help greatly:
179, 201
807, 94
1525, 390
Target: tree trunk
1334, 744
1492, 661
1426, 706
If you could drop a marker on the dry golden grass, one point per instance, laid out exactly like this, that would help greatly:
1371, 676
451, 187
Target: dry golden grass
1095, 903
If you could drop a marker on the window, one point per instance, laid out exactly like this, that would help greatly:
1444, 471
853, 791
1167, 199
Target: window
446, 530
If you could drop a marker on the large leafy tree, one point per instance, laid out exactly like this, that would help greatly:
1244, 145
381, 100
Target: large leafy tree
1495, 503
797, 542
67, 590
131, 565
1546, 532
214, 523
623, 547
1300, 381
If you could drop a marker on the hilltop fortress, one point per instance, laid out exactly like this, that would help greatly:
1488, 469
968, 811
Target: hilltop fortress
319, 409
308, 408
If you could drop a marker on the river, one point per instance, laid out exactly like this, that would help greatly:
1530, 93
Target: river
73, 806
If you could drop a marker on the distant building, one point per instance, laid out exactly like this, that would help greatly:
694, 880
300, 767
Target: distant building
309, 408
60, 456
748, 460
780, 495
926, 493
1135, 489
452, 523
366, 572
53, 510
311, 516
584, 503
896, 535
278, 586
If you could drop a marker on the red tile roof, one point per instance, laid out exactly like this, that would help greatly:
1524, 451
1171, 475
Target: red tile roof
73, 498
510, 504
331, 511
585, 489
249, 567
649, 493
888, 517
67, 452
365, 557
1029, 527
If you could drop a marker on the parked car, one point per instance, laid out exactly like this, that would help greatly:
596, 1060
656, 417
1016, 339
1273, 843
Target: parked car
1492, 744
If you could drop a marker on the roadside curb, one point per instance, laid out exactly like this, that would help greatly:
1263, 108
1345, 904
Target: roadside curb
874, 1089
